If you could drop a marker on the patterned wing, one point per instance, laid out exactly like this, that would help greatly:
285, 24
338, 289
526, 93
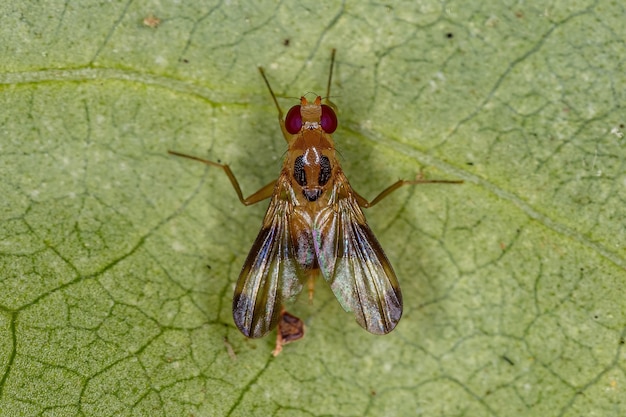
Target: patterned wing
269, 276
355, 266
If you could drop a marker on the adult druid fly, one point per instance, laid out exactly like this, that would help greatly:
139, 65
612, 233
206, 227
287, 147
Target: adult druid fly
314, 225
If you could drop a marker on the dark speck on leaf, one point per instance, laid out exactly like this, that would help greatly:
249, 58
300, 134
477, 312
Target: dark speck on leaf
507, 360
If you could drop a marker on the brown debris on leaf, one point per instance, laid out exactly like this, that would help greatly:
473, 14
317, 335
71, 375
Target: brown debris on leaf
290, 329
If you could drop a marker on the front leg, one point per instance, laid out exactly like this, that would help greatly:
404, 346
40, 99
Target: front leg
260, 195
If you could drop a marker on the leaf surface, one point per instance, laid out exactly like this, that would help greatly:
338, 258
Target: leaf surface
118, 261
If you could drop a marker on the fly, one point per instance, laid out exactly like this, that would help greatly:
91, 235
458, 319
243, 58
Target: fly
314, 225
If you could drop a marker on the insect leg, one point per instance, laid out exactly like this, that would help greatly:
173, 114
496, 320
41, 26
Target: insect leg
330, 78
393, 187
281, 120
311, 275
263, 193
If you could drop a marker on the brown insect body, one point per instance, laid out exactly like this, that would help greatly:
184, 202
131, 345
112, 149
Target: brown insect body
314, 224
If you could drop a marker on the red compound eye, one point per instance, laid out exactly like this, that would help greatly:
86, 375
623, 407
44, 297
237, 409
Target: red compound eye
293, 121
328, 119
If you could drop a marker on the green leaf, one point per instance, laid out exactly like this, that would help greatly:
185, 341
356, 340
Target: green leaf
118, 261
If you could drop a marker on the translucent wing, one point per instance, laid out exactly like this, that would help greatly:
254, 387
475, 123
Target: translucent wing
355, 266
269, 276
